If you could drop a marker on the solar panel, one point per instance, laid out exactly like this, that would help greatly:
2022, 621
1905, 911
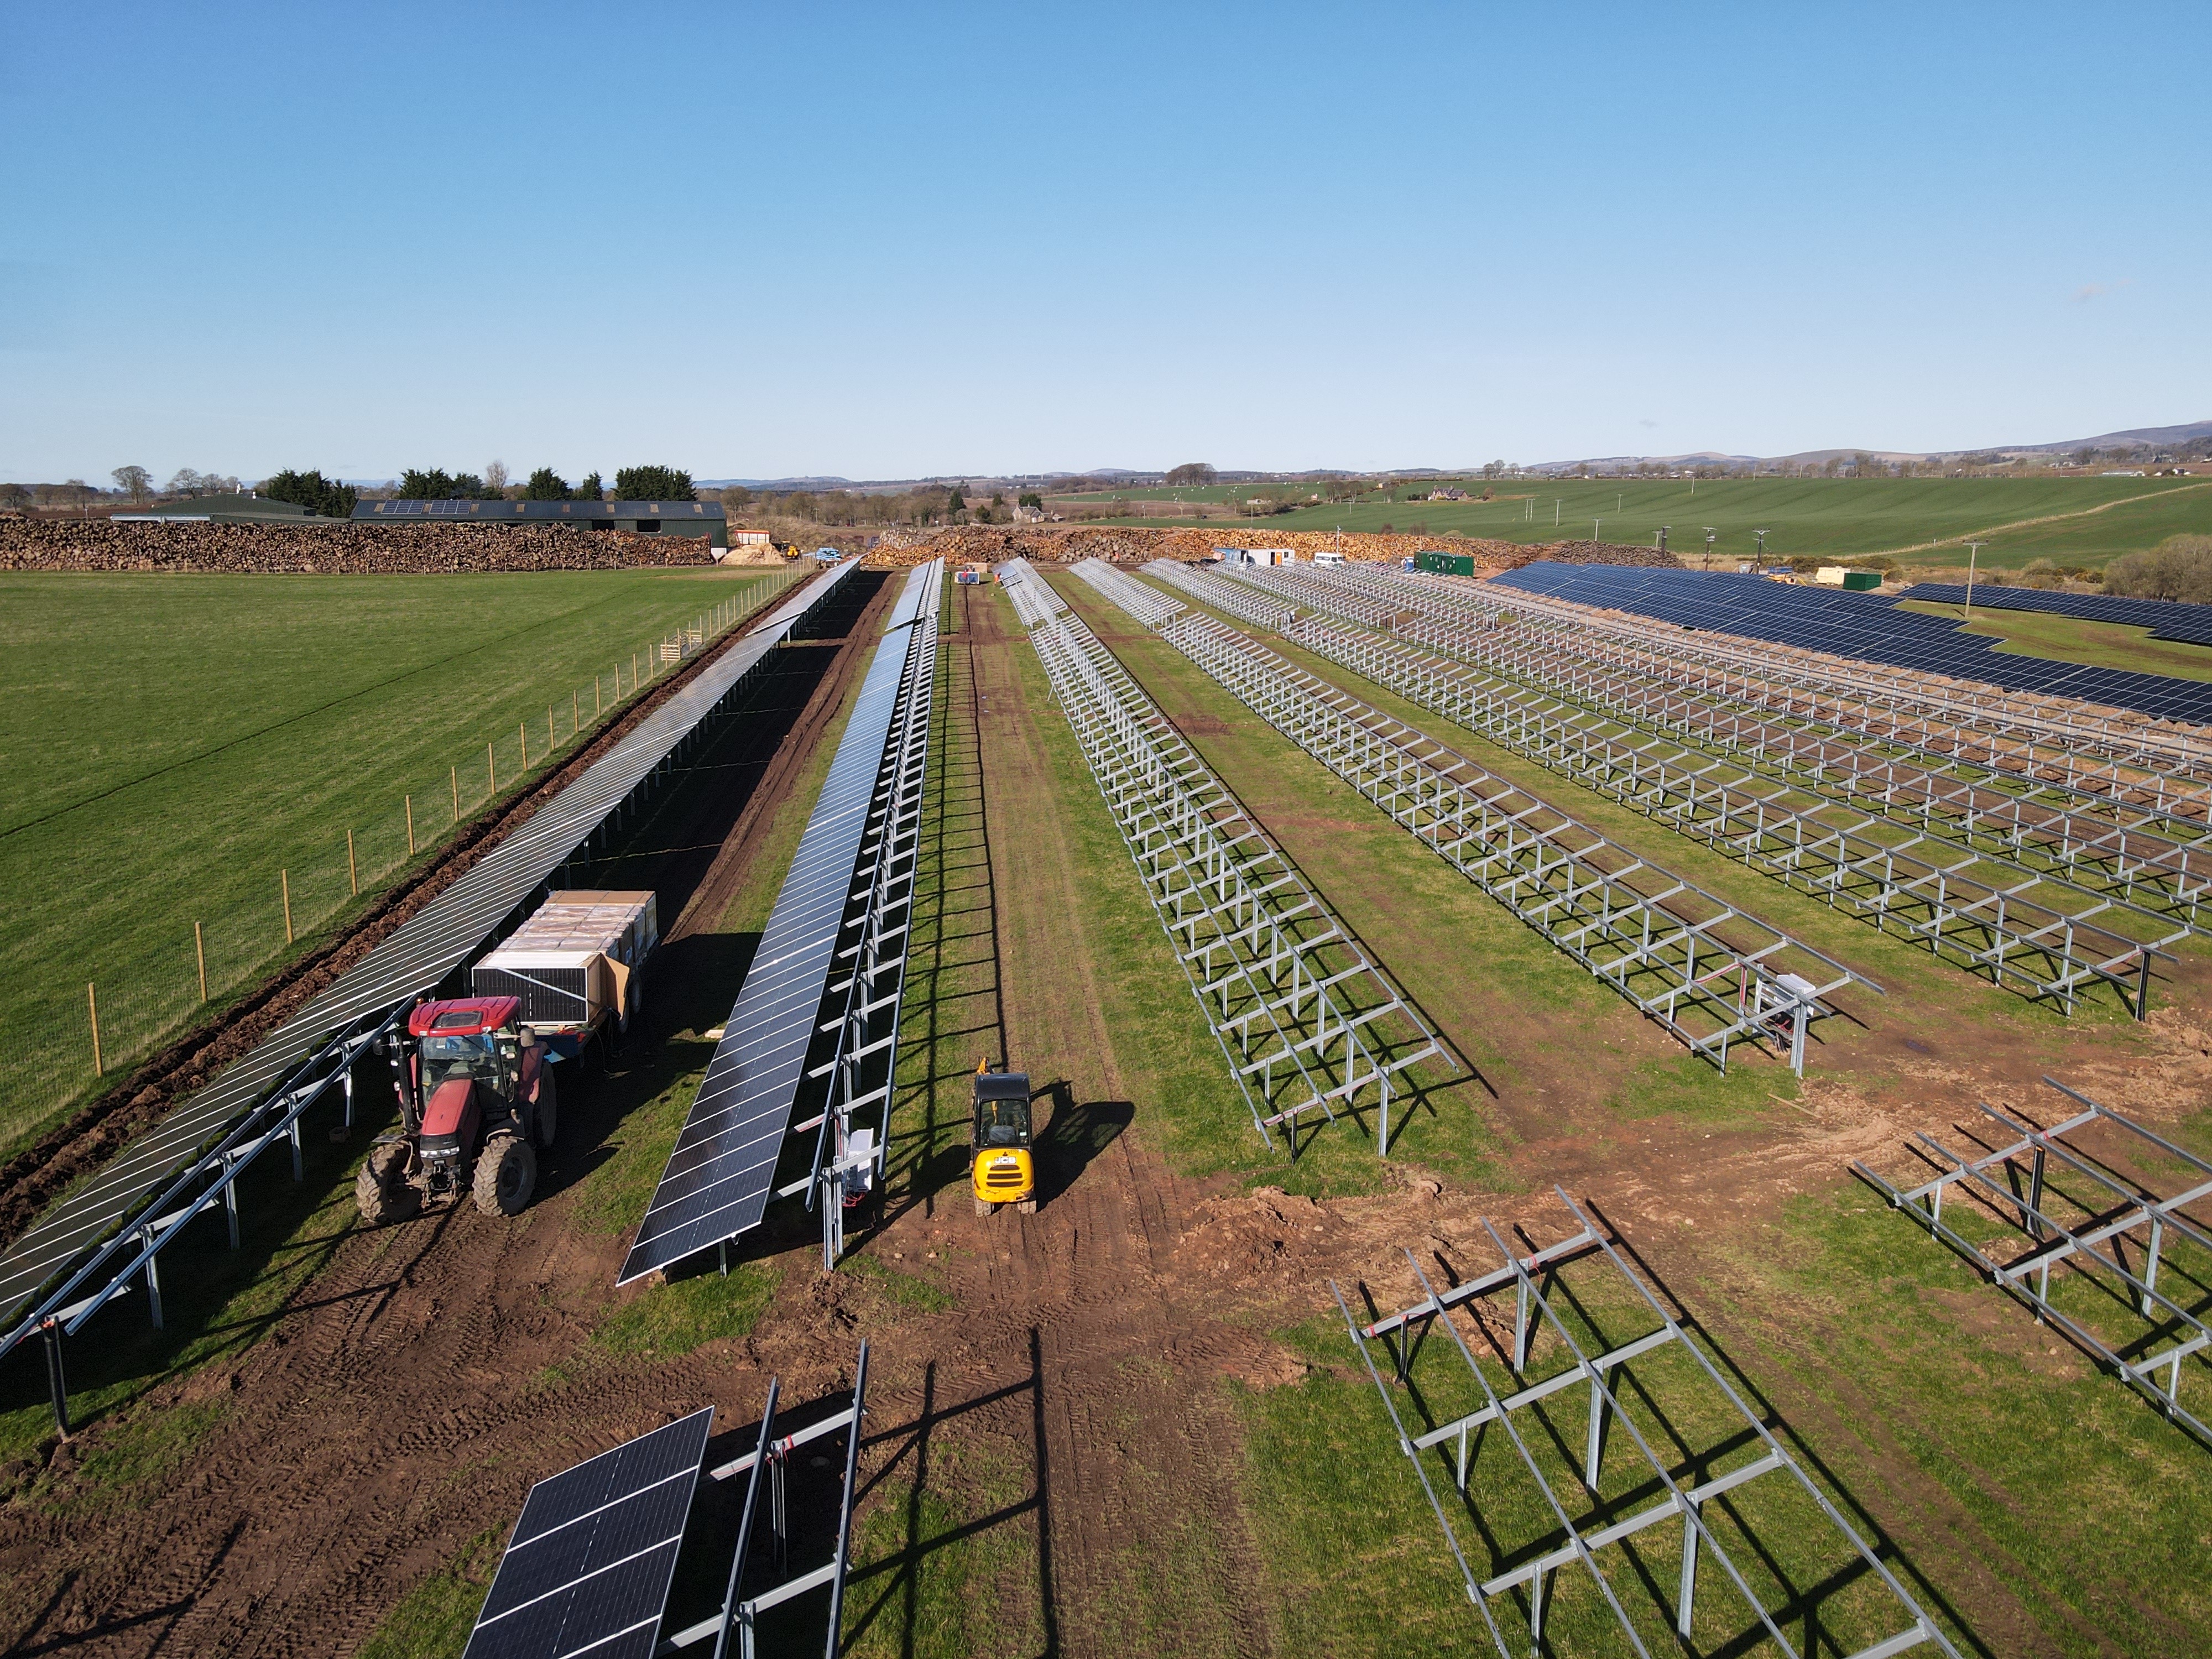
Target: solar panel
719, 1175
589, 1565
2167, 619
1866, 626
417, 954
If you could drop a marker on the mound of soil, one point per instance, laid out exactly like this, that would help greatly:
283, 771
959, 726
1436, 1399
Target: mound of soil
350, 549
1066, 543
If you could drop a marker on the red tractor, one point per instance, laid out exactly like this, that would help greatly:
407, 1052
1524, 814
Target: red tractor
477, 1104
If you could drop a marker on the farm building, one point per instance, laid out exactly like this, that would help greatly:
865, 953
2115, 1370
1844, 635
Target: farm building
693, 518
233, 508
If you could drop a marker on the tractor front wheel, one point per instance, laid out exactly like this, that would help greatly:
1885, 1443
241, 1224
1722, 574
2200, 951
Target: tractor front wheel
380, 1191
506, 1173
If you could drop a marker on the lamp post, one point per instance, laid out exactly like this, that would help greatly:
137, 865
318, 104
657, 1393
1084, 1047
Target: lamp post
1973, 553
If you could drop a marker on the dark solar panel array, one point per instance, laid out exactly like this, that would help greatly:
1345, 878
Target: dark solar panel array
1867, 626
589, 1566
419, 953
2167, 619
718, 1177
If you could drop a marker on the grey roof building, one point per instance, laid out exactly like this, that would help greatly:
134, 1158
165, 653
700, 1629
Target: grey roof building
233, 508
689, 519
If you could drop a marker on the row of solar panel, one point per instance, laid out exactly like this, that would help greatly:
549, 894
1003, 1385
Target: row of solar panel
2167, 619
416, 956
719, 1175
1847, 624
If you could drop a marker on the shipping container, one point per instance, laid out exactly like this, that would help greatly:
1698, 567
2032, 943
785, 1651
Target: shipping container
574, 963
1861, 582
1441, 563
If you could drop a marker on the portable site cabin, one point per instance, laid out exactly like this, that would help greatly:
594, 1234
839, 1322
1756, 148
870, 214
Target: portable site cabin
1851, 581
1327, 556
574, 963
1438, 563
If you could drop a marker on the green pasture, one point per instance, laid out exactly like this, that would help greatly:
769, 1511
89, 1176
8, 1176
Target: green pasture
174, 749
1923, 521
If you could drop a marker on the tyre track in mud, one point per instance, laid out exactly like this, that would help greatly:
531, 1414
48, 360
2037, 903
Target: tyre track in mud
1140, 1442
404, 1401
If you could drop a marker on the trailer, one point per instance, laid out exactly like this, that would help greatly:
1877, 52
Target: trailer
574, 965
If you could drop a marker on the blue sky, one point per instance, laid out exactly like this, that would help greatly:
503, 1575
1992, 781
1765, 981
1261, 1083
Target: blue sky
881, 241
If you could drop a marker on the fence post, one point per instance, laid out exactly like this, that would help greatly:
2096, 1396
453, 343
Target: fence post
595, 696
457, 794
491, 768
353, 869
285, 876
199, 949
92, 1001
409, 799
522, 738
552, 736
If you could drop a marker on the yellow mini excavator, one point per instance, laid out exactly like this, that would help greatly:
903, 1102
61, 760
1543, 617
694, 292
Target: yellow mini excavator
1000, 1166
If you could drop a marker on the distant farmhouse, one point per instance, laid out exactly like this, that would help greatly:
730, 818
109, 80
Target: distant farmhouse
694, 519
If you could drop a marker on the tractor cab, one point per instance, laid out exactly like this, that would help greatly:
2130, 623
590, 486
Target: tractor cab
1000, 1165
474, 1039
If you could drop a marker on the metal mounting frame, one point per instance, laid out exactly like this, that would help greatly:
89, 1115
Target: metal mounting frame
2122, 760
1836, 854
1683, 1484
864, 1060
2140, 861
1711, 974
1305, 1020
2092, 1237
740, 1613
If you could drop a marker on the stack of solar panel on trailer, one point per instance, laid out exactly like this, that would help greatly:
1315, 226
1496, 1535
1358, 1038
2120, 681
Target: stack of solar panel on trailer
719, 1174
417, 955
2167, 619
1867, 626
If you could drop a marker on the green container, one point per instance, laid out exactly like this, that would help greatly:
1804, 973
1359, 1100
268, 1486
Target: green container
1861, 582
1445, 564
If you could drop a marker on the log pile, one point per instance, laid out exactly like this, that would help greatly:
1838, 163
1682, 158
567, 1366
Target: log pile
332, 549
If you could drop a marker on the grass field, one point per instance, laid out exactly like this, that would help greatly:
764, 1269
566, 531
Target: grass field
174, 749
2071, 520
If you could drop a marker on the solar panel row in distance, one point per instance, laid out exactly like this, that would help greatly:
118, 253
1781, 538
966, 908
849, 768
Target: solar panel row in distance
2167, 619
589, 1566
1866, 626
419, 954
717, 1179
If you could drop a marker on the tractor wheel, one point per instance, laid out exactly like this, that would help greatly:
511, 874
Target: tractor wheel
380, 1191
507, 1173
548, 1109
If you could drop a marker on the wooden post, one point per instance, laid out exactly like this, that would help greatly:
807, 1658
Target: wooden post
285, 876
353, 869
457, 794
552, 733
92, 1000
575, 713
491, 768
633, 673
595, 696
199, 949
409, 799
522, 737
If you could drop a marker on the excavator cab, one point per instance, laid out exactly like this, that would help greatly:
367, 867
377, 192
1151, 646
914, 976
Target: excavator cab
1000, 1166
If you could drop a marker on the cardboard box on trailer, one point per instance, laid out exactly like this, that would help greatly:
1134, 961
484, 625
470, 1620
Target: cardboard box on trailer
574, 963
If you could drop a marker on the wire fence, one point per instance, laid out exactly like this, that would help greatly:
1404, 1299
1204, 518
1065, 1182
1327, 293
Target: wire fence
55, 1056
